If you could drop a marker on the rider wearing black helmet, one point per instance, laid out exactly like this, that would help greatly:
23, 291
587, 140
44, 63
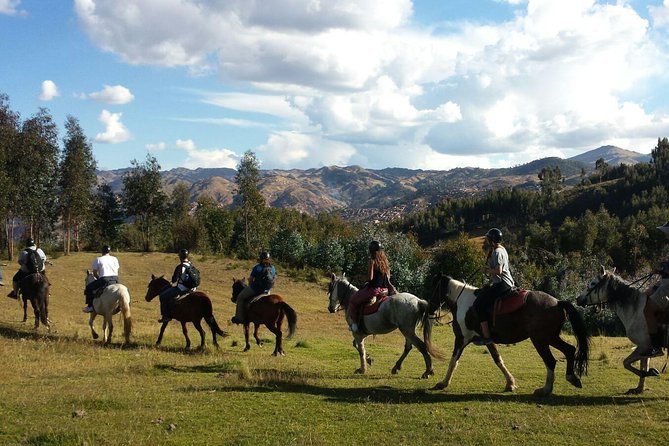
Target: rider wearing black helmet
179, 287
31, 251
498, 271
261, 281
105, 269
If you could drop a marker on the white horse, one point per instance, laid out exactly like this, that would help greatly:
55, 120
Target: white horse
628, 303
401, 311
114, 298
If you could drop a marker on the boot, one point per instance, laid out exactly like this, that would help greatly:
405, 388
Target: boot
485, 339
14, 294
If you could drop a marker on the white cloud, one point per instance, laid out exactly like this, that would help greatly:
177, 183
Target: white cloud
11, 7
353, 77
115, 132
157, 147
206, 157
116, 95
49, 91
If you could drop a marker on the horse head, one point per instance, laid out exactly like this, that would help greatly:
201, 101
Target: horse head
237, 286
607, 288
339, 290
156, 285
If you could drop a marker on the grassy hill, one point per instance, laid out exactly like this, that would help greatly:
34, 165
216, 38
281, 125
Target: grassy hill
62, 388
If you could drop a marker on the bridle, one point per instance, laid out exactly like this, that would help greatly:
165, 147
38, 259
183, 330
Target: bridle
341, 297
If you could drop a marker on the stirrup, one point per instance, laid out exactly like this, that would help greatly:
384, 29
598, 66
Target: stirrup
483, 341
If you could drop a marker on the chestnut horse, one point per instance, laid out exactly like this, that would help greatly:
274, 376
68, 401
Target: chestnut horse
268, 310
540, 319
35, 288
192, 307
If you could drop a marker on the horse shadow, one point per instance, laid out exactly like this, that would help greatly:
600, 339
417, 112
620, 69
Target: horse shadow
389, 395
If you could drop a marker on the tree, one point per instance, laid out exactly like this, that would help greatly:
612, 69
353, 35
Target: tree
9, 131
77, 179
601, 166
249, 199
660, 158
144, 199
218, 224
106, 218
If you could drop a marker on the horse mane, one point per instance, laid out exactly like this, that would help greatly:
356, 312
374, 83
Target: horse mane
620, 291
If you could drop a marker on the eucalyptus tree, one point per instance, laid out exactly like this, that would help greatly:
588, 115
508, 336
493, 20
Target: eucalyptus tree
77, 179
9, 131
106, 218
250, 201
144, 199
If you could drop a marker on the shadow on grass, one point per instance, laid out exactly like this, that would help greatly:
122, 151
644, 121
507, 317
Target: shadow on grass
43, 334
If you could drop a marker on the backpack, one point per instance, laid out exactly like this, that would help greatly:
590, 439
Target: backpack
34, 262
267, 278
192, 277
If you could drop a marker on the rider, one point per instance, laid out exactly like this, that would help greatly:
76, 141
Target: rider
178, 289
658, 301
501, 281
105, 269
260, 281
26, 268
378, 282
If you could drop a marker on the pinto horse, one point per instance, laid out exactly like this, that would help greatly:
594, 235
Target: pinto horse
628, 304
540, 319
401, 311
113, 299
268, 310
192, 307
35, 288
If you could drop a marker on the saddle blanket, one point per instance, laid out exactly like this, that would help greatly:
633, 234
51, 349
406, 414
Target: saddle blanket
511, 303
373, 306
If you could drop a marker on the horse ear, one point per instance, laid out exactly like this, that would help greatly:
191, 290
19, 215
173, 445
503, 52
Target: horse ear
602, 270
613, 270
88, 271
343, 275
153, 277
334, 277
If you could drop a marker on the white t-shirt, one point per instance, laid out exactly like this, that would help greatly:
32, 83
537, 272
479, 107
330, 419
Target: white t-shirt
106, 265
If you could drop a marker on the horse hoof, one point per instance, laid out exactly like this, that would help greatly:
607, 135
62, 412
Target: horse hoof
359, 371
427, 374
95, 336
634, 391
541, 392
439, 386
652, 372
395, 370
574, 381
510, 388
247, 349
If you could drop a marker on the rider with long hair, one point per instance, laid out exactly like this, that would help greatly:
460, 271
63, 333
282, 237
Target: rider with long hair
378, 282
658, 302
498, 271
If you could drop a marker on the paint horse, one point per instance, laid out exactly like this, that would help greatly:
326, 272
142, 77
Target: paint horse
540, 318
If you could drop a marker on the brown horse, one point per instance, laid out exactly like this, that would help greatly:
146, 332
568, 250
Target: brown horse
35, 288
267, 310
540, 319
192, 307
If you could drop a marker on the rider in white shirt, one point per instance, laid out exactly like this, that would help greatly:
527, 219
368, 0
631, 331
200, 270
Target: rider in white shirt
105, 269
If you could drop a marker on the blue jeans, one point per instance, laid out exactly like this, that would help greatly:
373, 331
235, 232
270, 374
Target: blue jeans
167, 300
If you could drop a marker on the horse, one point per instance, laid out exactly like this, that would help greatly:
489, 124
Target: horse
112, 299
192, 307
35, 288
540, 319
401, 311
628, 303
268, 310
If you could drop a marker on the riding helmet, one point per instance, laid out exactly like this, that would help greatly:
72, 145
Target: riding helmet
106, 249
374, 246
30, 242
183, 253
263, 256
494, 235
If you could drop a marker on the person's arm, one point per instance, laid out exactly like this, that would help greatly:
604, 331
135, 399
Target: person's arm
370, 271
252, 275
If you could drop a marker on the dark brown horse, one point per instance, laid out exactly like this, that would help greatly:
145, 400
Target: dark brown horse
35, 288
268, 310
192, 307
540, 319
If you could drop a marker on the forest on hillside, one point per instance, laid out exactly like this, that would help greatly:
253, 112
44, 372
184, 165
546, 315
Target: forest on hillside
556, 236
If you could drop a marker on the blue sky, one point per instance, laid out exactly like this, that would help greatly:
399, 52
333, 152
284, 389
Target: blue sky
428, 84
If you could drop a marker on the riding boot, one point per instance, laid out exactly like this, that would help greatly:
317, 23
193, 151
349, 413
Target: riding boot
486, 339
656, 346
89, 304
14, 294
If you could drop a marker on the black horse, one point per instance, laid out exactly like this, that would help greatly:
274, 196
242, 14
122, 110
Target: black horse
35, 288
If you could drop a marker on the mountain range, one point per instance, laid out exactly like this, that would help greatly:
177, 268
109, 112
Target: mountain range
368, 194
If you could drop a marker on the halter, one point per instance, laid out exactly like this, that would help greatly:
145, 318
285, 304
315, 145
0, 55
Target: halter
336, 288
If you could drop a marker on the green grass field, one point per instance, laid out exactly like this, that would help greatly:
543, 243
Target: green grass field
63, 388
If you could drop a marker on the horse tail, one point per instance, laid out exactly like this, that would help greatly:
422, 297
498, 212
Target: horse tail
582, 337
292, 318
124, 303
428, 322
208, 313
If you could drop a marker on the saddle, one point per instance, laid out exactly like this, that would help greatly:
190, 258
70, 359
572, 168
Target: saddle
507, 303
373, 305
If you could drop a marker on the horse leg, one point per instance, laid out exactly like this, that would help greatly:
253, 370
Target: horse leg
549, 361
359, 344
110, 328
410, 339
641, 373
499, 362
185, 332
91, 318
278, 347
256, 327
36, 312
569, 352
198, 327
398, 365
247, 347
162, 331
458, 348
25, 309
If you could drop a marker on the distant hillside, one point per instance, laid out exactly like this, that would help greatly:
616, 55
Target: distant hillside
344, 189
612, 155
